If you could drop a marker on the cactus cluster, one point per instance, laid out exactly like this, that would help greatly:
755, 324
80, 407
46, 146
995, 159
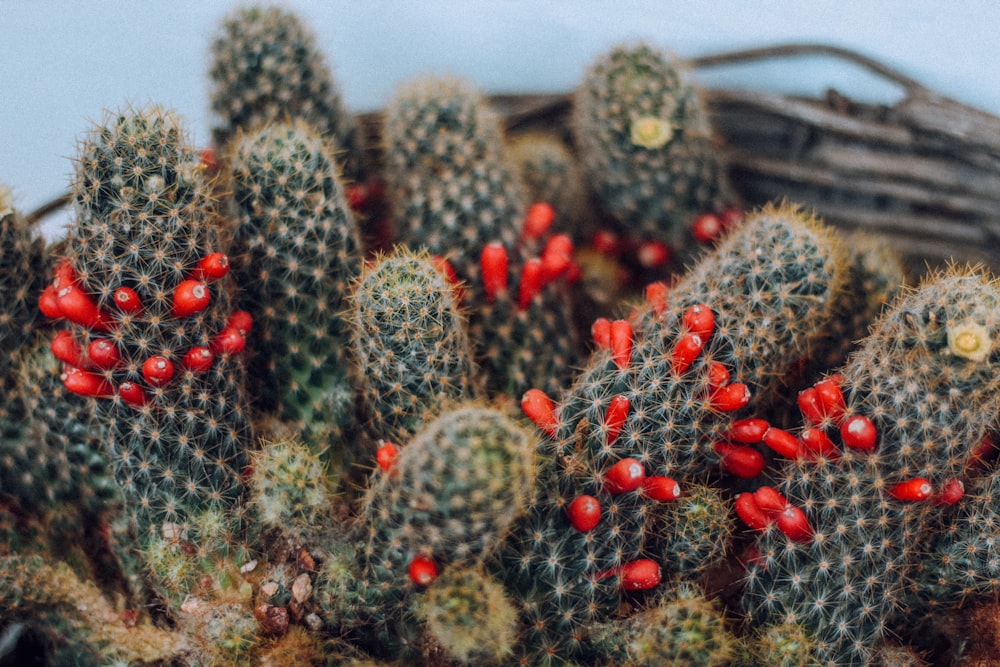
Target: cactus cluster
235, 430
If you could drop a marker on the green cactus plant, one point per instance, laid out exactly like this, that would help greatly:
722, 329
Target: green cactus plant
298, 253
845, 530
645, 143
410, 345
266, 68
645, 421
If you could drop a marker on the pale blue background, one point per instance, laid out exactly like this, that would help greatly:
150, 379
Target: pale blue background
62, 63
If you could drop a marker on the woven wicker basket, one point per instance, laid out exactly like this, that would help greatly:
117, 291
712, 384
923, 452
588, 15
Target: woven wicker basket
924, 172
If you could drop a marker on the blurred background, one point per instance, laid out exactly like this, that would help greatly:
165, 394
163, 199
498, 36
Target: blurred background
63, 62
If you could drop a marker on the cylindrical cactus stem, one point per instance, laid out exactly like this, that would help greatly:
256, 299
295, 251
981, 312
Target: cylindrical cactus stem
906, 417
297, 252
267, 68
153, 333
449, 497
410, 345
645, 143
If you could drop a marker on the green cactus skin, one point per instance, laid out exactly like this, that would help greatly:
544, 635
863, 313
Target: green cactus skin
410, 344
299, 252
684, 630
451, 495
645, 144
266, 68
288, 487
454, 190
75, 622
144, 223
784, 645
469, 616
926, 377
767, 308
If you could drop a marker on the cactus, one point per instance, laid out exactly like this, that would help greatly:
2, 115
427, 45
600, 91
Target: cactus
683, 630
549, 173
288, 487
266, 68
149, 332
645, 420
449, 497
843, 533
469, 616
410, 344
456, 193
645, 144
299, 252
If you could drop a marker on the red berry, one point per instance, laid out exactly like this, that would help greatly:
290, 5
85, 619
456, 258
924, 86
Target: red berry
640, 575
65, 348
606, 243
782, 442
621, 343
653, 254
538, 220
541, 410
531, 282
810, 406
127, 300
48, 303
718, 375
661, 488
385, 456
157, 370
748, 431
731, 397
132, 394
198, 359
190, 297
656, 296
751, 514
770, 500
65, 274
794, 523
493, 268
699, 319
584, 513
85, 383
615, 416
209, 160
624, 476
423, 571
685, 351
228, 341
600, 330
556, 257
817, 443
357, 196
831, 398
240, 320
859, 432
77, 307
104, 353
739, 460
952, 491
706, 228
211, 267
912, 490
731, 217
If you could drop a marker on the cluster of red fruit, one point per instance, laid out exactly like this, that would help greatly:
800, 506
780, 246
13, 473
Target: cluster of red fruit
87, 371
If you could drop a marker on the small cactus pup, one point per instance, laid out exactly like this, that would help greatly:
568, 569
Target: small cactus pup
886, 449
151, 334
684, 629
659, 410
410, 345
299, 253
455, 192
645, 144
448, 499
266, 68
